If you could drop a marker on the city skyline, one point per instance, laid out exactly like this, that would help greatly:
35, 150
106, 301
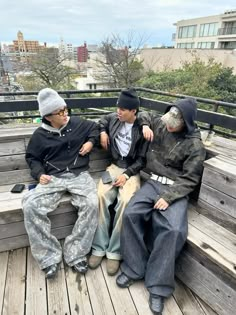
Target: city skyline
77, 21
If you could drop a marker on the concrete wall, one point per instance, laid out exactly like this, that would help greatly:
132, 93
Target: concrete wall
157, 59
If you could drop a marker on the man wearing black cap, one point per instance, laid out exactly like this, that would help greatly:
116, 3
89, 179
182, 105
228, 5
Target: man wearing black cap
155, 221
121, 134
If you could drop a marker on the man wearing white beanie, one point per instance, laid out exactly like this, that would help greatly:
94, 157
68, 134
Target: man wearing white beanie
58, 157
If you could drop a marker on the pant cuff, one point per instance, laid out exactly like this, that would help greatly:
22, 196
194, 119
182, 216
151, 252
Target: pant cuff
113, 256
98, 253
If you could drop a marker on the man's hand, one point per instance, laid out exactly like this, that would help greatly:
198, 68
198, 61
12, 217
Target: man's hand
147, 133
86, 148
120, 181
104, 140
44, 179
161, 204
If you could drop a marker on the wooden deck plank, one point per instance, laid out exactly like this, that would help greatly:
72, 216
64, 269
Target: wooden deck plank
57, 294
36, 302
212, 249
213, 230
121, 299
3, 274
14, 299
207, 310
140, 297
171, 307
206, 285
186, 300
78, 293
98, 292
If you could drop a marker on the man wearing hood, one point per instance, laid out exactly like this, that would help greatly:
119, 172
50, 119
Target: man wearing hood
155, 221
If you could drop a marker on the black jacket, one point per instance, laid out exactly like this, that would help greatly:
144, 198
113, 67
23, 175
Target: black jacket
135, 160
178, 156
57, 151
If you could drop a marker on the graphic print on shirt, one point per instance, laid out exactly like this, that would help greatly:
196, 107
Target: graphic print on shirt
124, 139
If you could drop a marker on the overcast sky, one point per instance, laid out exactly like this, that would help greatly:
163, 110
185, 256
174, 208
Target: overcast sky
92, 21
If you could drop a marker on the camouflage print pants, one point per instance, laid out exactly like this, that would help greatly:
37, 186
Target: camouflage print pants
38, 202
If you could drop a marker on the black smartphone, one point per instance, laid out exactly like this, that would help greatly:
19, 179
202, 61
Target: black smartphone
18, 188
106, 178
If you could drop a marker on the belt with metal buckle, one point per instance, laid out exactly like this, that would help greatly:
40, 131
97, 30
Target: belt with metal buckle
162, 179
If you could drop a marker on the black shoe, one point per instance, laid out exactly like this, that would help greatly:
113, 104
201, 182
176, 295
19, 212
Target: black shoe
51, 271
81, 267
156, 304
124, 281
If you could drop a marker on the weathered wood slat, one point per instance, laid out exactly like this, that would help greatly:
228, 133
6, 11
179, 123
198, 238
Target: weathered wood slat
57, 294
222, 182
223, 146
186, 300
212, 249
14, 177
101, 302
3, 274
36, 302
16, 216
140, 297
18, 228
206, 308
12, 162
15, 288
78, 293
121, 299
215, 231
206, 285
23, 240
218, 199
217, 216
12, 147
16, 133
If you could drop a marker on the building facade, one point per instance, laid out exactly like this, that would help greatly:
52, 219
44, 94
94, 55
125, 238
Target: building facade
210, 32
26, 46
82, 53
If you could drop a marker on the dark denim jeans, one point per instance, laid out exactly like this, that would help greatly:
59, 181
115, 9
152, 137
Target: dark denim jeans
152, 239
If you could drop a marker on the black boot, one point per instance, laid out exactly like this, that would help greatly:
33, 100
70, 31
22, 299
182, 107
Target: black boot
156, 304
81, 267
51, 271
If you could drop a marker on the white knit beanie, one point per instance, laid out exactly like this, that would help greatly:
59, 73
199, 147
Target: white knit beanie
49, 101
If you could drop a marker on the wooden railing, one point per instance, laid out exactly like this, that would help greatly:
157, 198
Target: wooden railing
224, 124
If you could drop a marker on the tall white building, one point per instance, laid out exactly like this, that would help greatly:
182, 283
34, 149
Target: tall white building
218, 31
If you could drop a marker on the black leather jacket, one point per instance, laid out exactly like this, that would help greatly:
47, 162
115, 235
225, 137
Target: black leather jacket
136, 158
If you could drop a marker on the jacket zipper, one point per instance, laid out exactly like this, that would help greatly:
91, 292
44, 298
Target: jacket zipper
174, 147
48, 163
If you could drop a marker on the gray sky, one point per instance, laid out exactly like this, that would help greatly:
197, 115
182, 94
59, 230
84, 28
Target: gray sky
92, 21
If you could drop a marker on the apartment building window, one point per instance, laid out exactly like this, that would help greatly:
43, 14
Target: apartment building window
209, 29
185, 45
204, 45
187, 31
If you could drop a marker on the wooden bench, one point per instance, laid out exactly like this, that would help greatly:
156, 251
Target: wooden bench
207, 264
14, 169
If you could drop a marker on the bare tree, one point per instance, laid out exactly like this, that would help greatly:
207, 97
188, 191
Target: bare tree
119, 60
49, 67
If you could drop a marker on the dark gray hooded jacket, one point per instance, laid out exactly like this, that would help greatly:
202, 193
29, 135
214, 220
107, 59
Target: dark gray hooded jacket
178, 156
